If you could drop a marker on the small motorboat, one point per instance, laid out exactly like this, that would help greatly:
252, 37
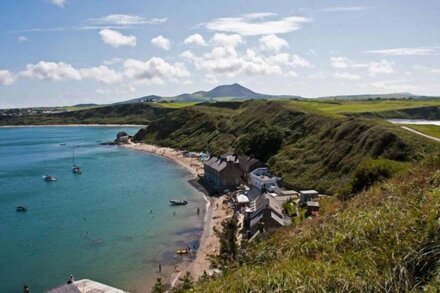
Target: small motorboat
183, 251
21, 209
76, 170
178, 202
49, 178
62, 144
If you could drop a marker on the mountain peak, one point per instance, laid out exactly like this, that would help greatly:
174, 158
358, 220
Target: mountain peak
232, 90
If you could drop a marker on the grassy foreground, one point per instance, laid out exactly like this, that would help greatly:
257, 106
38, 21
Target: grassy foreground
386, 239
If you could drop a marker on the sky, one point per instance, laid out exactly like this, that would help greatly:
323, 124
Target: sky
66, 52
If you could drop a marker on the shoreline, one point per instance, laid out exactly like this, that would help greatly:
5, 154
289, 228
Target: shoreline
72, 125
215, 213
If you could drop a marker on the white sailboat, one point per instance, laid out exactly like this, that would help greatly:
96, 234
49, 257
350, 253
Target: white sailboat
48, 178
75, 169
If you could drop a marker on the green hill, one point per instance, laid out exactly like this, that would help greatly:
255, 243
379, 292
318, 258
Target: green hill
230, 92
307, 148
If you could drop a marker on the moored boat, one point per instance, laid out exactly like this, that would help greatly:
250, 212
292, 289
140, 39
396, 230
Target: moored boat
76, 170
183, 251
178, 202
49, 178
21, 209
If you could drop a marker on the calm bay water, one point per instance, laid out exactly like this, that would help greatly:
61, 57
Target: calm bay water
96, 225
415, 121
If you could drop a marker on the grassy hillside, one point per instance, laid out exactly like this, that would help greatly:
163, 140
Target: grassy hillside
121, 114
309, 149
386, 239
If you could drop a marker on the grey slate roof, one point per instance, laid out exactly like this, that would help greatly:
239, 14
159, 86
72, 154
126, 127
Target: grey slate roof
217, 164
267, 200
253, 193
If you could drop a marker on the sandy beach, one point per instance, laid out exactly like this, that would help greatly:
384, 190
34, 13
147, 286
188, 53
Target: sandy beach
215, 213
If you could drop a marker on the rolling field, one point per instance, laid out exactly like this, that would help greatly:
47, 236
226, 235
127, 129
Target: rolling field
339, 108
176, 105
432, 130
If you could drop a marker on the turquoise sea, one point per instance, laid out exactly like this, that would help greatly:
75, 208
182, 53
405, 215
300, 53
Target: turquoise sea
97, 225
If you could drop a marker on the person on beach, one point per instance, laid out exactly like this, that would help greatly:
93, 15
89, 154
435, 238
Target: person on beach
160, 268
174, 213
198, 211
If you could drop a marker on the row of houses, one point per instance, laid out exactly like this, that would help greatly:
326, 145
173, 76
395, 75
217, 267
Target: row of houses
263, 199
228, 171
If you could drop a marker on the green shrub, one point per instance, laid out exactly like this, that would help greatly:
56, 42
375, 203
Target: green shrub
372, 171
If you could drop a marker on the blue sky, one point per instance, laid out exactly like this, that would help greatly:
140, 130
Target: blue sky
64, 52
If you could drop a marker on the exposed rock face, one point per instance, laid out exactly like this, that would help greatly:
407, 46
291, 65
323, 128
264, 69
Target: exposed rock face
121, 134
122, 137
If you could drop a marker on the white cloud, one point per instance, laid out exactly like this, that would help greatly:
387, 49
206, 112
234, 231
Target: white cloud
317, 75
226, 61
116, 39
253, 24
340, 62
344, 8
102, 74
22, 39
59, 3
392, 85
195, 39
272, 43
6, 77
103, 91
161, 42
187, 55
421, 51
346, 75
311, 52
114, 60
382, 67
126, 19
133, 72
154, 68
51, 71
210, 78
221, 39
428, 69
298, 61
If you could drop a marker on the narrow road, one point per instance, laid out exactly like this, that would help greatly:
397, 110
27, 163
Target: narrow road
422, 134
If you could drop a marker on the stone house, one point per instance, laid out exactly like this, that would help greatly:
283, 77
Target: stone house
222, 173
